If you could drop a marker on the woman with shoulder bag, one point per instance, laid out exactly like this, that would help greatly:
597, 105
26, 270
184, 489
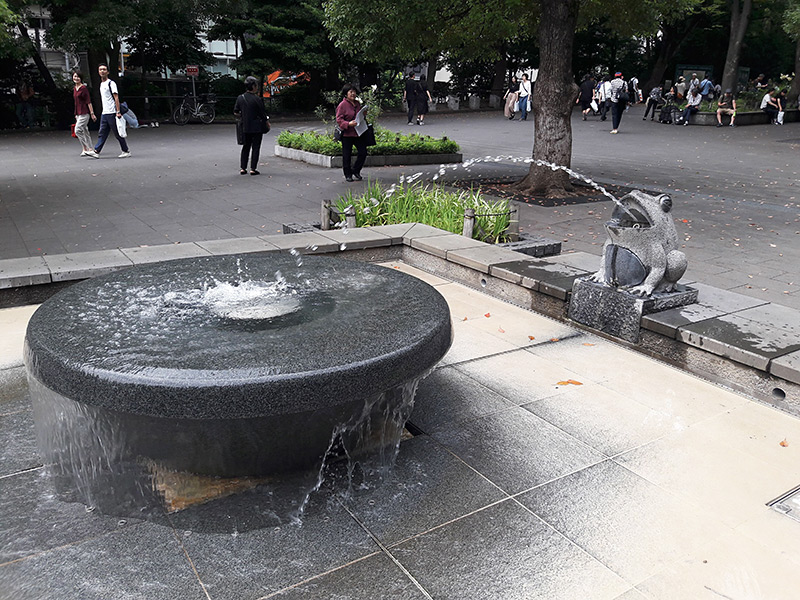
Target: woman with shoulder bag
252, 116
346, 120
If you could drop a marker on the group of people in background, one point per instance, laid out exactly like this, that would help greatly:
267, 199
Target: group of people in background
518, 97
109, 118
417, 96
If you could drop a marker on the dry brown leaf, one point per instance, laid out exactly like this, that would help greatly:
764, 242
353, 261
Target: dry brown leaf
587, 344
464, 319
487, 315
569, 382
784, 443
501, 330
530, 337
553, 339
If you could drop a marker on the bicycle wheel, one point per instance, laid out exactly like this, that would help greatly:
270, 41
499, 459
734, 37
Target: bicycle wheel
206, 113
181, 115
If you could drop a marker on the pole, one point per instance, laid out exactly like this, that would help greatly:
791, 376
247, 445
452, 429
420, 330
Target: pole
194, 94
350, 217
513, 225
325, 215
469, 222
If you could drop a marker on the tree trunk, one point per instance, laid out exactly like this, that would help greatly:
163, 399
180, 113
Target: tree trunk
740, 18
793, 95
499, 81
553, 99
50, 85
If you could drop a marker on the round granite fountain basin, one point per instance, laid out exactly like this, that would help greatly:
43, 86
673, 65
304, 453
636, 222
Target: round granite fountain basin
228, 366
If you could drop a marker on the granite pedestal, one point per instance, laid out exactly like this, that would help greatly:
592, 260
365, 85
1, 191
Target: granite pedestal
229, 365
617, 312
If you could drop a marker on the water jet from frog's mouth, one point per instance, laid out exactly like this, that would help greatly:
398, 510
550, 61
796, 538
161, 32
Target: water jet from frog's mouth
226, 367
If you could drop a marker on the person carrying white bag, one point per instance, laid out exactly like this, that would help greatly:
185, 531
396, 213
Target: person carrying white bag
111, 119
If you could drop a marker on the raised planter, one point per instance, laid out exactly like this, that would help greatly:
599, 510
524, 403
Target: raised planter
335, 162
755, 117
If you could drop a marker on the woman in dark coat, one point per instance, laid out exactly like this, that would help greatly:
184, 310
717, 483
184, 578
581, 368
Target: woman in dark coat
251, 111
346, 120
423, 97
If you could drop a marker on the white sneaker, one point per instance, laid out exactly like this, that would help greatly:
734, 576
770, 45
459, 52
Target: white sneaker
84, 153
93, 154
124, 155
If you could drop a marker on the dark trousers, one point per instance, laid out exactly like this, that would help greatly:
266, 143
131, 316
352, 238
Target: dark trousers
252, 141
604, 106
412, 102
688, 112
651, 103
109, 123
772, 112
347, 154
617, 108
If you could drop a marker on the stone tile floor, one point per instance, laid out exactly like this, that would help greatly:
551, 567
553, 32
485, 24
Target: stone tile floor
547, 463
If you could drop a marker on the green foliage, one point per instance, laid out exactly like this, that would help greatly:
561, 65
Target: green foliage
275, 34
431, 205
166, 34
388, 143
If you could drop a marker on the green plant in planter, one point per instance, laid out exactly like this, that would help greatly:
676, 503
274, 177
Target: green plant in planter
431, 205
387, 143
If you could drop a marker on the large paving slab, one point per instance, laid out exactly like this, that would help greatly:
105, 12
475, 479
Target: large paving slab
68, 267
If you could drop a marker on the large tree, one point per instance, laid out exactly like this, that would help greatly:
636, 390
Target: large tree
740, 18
791, 24
479, 28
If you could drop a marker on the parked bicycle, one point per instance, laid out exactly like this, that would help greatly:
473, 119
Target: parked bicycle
191, 108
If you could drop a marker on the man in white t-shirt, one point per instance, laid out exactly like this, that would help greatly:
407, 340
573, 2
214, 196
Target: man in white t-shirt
111, 112
770, 106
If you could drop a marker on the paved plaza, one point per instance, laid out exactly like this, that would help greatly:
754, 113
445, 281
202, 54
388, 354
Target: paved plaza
735, 191
543, 461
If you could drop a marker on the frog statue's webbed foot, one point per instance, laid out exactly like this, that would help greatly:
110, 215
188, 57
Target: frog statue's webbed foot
644, 290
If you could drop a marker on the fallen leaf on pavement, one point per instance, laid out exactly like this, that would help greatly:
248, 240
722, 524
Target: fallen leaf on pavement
487, 315
784, 443
569, 382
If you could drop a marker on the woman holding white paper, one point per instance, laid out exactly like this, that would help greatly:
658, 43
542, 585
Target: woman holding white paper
346, 120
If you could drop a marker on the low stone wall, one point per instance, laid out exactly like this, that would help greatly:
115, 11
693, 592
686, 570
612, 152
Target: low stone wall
335, 162
742, 118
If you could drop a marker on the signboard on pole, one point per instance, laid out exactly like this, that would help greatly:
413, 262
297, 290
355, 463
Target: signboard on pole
192, 70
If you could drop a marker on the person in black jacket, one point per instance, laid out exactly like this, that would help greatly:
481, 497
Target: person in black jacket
252, 114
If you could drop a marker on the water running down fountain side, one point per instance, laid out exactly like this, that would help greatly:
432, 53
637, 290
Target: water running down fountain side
228, 366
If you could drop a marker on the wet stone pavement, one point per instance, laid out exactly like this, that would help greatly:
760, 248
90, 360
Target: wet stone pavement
545, 463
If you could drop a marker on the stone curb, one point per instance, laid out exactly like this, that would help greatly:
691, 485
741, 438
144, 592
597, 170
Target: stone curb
739, 341
335, 162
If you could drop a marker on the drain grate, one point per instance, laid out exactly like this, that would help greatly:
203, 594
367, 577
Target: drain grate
788, 504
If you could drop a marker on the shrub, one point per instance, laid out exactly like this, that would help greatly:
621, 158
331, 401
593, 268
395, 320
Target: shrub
431, 205
388, 142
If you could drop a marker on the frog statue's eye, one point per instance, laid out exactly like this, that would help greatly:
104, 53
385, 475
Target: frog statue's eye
666, 202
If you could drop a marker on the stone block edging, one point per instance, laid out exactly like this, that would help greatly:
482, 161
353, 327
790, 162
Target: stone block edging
755, 117
335, 162
690, 339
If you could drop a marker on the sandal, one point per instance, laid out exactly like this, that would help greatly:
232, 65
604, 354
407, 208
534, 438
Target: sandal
242, 171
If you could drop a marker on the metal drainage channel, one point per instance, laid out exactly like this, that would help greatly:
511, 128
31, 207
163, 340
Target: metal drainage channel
788, 503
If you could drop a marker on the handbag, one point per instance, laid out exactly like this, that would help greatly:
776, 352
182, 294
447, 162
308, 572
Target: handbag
593, 105
368, 137
239, 132
265, 127
337, 133
623, 97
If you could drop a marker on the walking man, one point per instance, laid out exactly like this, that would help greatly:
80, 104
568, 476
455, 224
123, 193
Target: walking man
109, 95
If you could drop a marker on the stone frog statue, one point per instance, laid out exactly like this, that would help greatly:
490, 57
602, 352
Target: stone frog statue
641, 254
